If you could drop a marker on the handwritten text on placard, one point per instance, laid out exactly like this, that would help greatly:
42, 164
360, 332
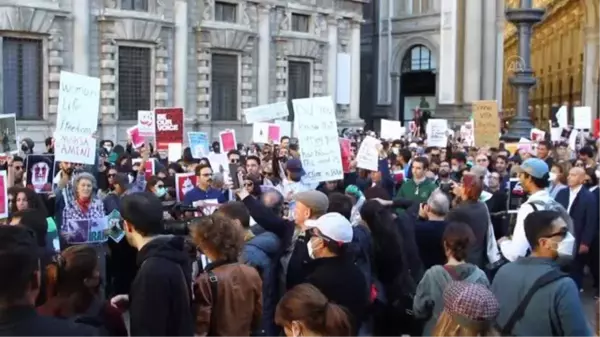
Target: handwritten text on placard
486, 123
317, 132
74, 148
78, 103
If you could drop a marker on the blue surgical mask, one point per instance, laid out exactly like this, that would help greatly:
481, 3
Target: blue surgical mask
160, 192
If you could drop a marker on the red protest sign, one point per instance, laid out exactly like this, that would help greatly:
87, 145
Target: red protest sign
169, 127
346, 151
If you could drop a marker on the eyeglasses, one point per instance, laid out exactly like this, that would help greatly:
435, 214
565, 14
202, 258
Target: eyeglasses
112, 175
248, 184
561, 232
207, 175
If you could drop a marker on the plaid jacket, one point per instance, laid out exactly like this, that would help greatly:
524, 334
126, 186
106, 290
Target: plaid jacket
72, 211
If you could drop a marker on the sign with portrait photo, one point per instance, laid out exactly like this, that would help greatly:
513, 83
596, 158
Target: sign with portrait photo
40, 172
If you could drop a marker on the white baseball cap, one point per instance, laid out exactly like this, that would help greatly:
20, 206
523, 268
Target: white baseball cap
334, 226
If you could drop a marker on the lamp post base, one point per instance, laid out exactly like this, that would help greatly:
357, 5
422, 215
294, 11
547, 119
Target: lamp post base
519, 128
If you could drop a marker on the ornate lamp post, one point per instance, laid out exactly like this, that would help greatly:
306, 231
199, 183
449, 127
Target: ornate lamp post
523, 18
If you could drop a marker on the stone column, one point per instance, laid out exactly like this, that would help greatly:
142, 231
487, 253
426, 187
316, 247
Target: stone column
488, 70
332, 40
81, 30
499, 52
395, 113
590, 73
355, 71
264, 53
181, 54
472, 70
524, 18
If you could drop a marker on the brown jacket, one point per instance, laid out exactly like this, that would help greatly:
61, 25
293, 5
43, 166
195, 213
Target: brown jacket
238, 306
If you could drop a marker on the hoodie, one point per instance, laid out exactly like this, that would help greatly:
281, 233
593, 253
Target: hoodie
263, 252
429, 302
160, 296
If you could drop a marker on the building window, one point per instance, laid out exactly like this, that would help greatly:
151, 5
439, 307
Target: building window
419, 58
135, 81
226, 12
224, 86
300, 22
135, 5
298, 83
22, 66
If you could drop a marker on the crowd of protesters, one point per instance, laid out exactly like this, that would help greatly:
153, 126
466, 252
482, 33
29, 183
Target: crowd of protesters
425, 245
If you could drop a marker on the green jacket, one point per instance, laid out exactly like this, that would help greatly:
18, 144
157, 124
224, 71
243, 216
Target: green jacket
420, 193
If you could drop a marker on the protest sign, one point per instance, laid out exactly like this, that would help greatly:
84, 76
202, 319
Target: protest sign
265, 133
8, 133
285, 128
146, 123
3, 195
227, 140
149, 167
582, 117
346, 151
115, 231
174, 152
184, 182
169, 127
368, 154
437, 132
75, 148
137, 140
198, 142
516, 195
85, 231
486, 123
391, 129
78, 104
537, 135
562, 117
40, 172
318, 133
267, 112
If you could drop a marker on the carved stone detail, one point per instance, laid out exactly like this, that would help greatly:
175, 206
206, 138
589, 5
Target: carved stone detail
26, 19
137, 30
209, 8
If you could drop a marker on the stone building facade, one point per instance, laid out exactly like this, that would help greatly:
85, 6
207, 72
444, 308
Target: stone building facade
214, 58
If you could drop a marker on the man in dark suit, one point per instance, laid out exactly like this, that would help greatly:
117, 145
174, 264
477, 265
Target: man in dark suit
581, 205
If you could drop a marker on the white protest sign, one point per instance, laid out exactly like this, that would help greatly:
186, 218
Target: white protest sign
436, 132
265, 113
561, 117
368, 155
573, 139
318, 135
174, 152
74, 148
265, 133
285, 127
78, 104
555, 134
582, 118
537, 135
391, 129
146, 123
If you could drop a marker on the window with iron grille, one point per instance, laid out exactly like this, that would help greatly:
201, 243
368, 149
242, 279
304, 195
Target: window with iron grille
135, 80
226, 12
224, 87
298, 83
22, 67
134, 5
300, 23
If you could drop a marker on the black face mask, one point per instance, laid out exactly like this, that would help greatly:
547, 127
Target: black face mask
443, 174
24, 148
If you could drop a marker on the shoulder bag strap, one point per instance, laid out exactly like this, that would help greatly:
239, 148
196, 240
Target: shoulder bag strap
541, 282
214, 291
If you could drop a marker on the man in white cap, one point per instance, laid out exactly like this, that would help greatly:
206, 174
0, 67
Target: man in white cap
332, 269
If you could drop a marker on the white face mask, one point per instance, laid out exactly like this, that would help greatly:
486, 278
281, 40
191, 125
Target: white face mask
108, 148
565, 247
395, 150
311, 252
552, 176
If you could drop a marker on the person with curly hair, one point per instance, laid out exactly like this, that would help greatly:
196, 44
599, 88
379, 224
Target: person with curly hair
428, 302
228, 294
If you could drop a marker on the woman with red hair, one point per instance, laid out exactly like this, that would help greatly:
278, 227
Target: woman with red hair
470, 210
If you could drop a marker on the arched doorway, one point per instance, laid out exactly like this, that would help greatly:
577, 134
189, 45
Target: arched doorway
417, 82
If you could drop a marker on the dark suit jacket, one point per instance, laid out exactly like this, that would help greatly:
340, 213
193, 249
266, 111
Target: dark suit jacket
584, 213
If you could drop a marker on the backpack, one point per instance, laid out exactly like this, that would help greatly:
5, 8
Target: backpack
93, 317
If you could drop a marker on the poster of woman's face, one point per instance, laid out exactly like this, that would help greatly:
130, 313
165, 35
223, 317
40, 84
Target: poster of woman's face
8, 131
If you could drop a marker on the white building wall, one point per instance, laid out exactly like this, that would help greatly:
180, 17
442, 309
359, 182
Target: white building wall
84, 35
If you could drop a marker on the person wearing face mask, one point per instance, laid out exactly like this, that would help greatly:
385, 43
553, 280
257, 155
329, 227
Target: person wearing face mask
27, 146
551, 299
157, 186
108, 145
332, 270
